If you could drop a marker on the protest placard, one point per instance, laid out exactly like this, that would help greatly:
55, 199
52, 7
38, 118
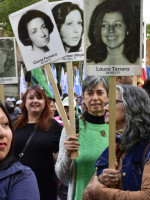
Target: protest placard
68, 16
37, 35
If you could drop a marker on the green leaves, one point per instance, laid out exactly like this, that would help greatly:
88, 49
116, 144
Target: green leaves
6, 8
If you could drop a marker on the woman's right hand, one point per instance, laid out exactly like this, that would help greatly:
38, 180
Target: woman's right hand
71, 144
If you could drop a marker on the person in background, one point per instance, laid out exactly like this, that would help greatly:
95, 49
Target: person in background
16, 180
83, 106
131, 178
52, 106
124, 80
146, 86
36, 120
65, 103
78, 110
69, 19
17, 109
90, 142
13, 99
62, 186
9, 105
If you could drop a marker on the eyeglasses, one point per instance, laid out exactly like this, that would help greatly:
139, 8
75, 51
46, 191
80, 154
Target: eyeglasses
117, 101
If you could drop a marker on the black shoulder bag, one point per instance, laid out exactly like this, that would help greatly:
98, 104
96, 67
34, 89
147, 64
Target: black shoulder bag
26, 145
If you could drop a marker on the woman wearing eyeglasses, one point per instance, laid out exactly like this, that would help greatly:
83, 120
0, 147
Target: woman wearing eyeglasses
36, 120
131, 178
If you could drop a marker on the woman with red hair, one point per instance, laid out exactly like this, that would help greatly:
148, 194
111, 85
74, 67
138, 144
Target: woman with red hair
36, 121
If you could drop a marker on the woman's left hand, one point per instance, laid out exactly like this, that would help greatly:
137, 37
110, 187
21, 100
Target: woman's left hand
89, 190
110, 177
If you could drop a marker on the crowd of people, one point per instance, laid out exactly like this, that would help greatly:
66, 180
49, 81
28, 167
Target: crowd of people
35, 151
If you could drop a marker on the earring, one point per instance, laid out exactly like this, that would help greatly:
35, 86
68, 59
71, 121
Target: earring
127, 32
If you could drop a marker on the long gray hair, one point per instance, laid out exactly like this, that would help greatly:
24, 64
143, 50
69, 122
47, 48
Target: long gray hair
137, 115
92, 81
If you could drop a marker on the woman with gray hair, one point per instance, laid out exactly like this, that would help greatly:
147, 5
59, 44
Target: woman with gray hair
90, 142
131, 178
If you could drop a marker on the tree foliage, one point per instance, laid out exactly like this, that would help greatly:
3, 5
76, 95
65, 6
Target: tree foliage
148, 30
10, 6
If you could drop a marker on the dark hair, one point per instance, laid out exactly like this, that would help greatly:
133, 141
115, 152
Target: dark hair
60, 13
51, 99
27, 17
137, 111
10, 158
146, 86
89, 83
7, 46
44, 121
97, 51
92, 81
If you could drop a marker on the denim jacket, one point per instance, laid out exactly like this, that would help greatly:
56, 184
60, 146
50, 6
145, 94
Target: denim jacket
132, 169
18, 182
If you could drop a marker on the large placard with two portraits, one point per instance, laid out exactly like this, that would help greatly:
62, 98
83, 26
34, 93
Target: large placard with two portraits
37, 35
113, 37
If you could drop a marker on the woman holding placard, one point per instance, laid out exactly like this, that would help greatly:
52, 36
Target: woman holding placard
91, 140
113, 35
131, 177
69, 20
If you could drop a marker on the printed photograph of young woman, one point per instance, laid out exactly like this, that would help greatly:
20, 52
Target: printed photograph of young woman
68, 16
34, 30
114, 34
8, 63
37, 35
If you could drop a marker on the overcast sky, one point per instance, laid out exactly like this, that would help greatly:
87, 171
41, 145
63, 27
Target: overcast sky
146, 10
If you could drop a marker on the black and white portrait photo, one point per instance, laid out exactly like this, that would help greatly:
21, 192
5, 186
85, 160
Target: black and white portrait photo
37, 35
113, 37
8, 63
68, 16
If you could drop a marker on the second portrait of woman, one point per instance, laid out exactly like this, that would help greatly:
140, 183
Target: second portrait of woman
68, 16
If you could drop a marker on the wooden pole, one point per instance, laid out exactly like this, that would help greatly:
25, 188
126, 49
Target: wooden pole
75, 154
112, 121
2, 97
135, 80
58, 99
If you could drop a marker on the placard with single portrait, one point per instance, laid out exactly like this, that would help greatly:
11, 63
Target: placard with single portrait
68, 16
113, 37
37, 35
8, 61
